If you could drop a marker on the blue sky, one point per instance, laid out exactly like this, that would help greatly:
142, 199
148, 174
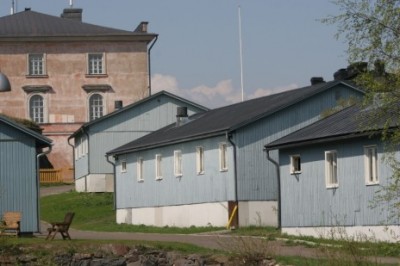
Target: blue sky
197, 53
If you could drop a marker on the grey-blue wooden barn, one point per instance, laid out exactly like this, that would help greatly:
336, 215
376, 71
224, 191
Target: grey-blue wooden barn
331, 172
210, 168
20, 150
93, 139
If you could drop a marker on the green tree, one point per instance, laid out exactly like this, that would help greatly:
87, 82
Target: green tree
371, 29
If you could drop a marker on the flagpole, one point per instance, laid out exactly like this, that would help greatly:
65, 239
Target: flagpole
241, 52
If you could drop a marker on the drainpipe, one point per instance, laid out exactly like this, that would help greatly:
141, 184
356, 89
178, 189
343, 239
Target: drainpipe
115, 180
38, 185
229, 138
278, 174
149, 62
73, 156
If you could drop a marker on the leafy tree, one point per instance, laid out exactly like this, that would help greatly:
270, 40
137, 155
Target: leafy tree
372, 30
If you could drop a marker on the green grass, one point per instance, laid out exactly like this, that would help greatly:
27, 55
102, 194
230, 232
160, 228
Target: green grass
94, 212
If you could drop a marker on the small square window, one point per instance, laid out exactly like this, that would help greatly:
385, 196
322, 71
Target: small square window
331, 169
371, 165
123, 167
295, 164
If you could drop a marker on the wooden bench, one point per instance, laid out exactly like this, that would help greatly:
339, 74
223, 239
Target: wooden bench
61, 227
10, 224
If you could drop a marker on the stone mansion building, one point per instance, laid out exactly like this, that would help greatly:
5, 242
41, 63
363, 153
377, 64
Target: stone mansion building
64, 72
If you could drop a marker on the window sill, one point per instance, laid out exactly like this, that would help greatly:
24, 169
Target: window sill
200, 173
223, 170
295, 173
37, 76
159, 178
332, 186
140, 181
178, 176
372, 183
96, 75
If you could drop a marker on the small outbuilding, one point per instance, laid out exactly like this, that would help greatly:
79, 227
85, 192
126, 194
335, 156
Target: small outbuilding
20, 151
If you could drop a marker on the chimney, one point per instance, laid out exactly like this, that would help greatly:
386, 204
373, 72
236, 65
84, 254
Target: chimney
142, 27
341, 74
181, 115
118, 105
72, 13
317, 80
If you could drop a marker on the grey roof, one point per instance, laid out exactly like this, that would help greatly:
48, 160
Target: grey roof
31, 24
226, 119
350, 122
41, 141
134, 105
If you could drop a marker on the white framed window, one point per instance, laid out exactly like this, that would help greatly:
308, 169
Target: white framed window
295, 164
199, 160
36, 64
37, 108
123, 166
139, 169
96, 106
223, 160
178, 163
96, 64
331, 169
371, 165
158, 166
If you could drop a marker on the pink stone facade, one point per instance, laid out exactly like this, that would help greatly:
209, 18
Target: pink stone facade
66, 102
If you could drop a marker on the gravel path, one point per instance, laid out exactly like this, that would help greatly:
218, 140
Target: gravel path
212, 241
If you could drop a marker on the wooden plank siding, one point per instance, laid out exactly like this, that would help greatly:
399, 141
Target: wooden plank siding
51, 176
307, 202
17, 176
212, 186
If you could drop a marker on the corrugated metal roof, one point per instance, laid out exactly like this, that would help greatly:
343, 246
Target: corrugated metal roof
225, 119
34, 24
41, 140
133, 105
348, 123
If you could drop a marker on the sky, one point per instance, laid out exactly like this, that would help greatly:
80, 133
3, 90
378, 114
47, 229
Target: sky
197, 54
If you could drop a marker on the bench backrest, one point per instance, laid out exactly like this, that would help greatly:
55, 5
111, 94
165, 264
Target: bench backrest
12, 218
68, 219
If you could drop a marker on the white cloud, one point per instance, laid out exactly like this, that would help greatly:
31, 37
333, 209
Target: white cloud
223, 93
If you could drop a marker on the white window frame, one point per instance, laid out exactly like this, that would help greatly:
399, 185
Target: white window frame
36, 64
223, 158
139, 169
200, 160
43, 108
93, 67
331, 171
96, 111
158, 162
123, 166
371, 165
295, 164
178, 163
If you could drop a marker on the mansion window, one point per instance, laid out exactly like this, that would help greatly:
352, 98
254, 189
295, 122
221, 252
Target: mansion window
36, 65
96, 106
331, 169
37, 108
96, 64
371, 165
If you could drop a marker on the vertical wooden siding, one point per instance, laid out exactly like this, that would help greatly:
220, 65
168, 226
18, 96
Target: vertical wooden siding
307, 202
18, 191
213, 186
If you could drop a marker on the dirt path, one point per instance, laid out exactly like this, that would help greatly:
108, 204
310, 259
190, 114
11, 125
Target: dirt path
213, 241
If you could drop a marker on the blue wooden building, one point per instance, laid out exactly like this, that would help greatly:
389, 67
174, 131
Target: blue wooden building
20, 149
92, 140
210, 168
330, 173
